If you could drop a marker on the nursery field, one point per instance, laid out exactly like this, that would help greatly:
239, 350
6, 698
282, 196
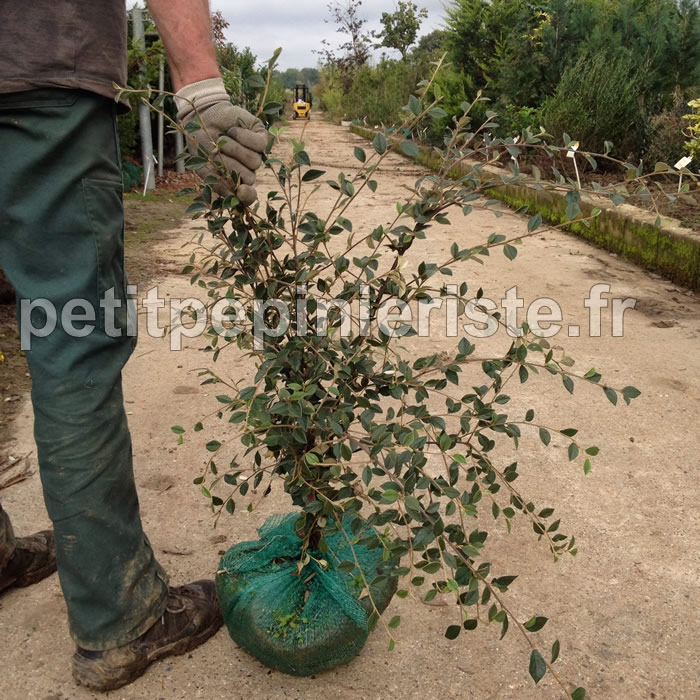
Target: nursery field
625, 608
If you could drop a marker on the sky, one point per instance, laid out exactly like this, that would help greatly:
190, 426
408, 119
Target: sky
298, 25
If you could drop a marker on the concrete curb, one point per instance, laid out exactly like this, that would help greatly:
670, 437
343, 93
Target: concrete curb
632, 233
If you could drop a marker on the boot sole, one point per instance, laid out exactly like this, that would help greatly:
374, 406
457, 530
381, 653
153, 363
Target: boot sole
104, 679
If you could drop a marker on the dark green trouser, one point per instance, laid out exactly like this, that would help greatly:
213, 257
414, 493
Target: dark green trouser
61, 239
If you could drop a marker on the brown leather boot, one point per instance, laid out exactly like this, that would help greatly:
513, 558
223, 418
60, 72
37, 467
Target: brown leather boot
33, 560
191, 617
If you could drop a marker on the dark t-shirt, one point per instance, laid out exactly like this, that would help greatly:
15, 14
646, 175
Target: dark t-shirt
62, 43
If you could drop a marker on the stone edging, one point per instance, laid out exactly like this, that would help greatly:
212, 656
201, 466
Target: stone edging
669, 249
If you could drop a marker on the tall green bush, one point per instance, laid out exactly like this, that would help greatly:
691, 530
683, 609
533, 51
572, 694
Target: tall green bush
454, 89
599, 100
520, 49
377, 94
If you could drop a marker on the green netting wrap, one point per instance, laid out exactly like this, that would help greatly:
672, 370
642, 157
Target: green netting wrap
300, 623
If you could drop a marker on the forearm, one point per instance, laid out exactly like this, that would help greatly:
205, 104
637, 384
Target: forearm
185, 27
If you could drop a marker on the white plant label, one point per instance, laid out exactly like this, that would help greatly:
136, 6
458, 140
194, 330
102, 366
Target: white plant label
683, 162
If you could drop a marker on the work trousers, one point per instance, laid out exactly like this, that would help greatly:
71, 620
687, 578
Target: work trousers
61, 240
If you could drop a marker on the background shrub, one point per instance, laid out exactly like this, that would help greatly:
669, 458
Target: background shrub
666, 138
597, 71
599, 99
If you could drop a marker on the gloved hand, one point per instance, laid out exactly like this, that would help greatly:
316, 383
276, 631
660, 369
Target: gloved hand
246, 137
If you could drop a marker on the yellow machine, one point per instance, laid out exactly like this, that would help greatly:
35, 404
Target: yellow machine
302, 102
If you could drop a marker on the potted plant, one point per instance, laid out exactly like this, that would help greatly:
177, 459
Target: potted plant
387, 461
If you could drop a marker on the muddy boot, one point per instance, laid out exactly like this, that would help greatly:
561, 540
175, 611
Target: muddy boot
34, 559
191, 617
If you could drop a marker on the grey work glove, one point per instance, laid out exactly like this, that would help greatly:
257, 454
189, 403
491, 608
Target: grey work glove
234, 135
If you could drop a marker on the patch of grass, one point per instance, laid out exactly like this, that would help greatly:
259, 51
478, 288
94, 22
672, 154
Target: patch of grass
147, 221
152, 215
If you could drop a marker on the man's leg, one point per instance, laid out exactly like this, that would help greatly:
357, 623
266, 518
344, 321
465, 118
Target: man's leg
61, 239
61, 245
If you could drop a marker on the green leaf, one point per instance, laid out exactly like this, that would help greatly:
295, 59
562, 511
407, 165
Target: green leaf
213, 445
611, 394
312, 458
555, 650
587, 467
380, 144
534, 223
272, 108
310, 175
545, 436
617, 199
573, 451
395, 622
193, 125
578, 694
510, 251
178, 429
629, 393
415, 105
530, 415
438, 113
247, 393
453, 631
535, 624
568, 383
572, 209
255, 80
537, 666
302, 157
360, 154
413, 506
502, 582
410, 149
348, 188
390, 496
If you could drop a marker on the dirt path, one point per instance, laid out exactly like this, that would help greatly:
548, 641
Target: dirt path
625, 610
